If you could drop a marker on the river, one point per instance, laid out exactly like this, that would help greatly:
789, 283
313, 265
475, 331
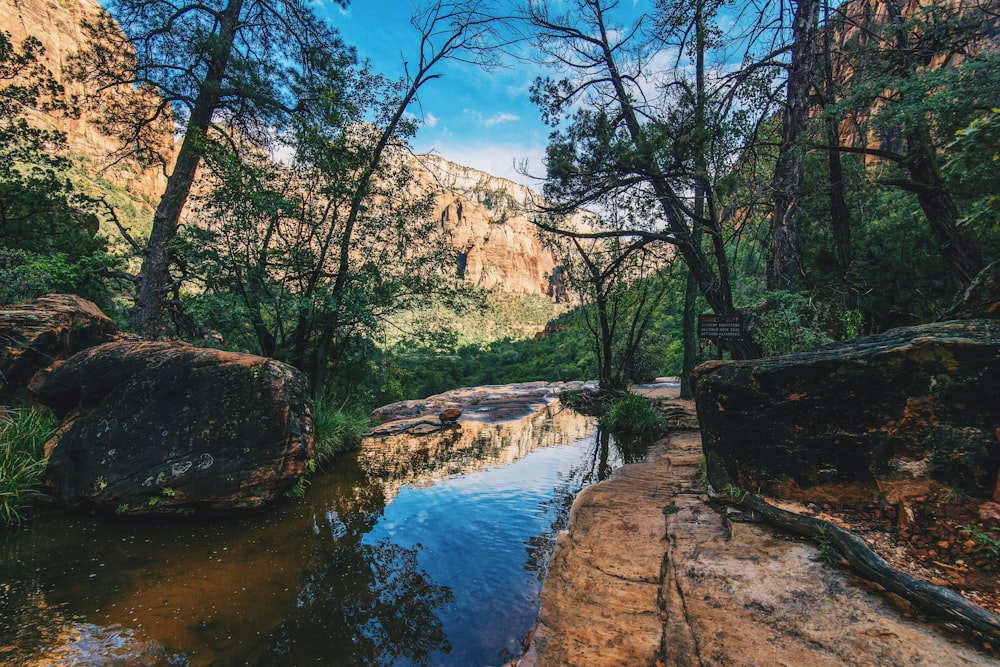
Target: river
412, 550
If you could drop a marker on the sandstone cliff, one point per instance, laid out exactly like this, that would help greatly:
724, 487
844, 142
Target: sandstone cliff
488, 221
59, 25
484, 216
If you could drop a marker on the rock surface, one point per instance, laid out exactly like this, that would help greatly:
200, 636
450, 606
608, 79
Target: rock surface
650, 574
881, 417
161, 427
34, 336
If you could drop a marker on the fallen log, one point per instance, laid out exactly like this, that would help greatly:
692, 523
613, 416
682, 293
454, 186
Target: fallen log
936, 601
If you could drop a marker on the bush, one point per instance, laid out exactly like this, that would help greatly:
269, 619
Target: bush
23, 434
336, 429
631, 413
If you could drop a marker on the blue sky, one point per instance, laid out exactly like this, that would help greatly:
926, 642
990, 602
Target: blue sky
478, 119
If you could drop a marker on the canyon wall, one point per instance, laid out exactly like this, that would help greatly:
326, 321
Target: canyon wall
484, 216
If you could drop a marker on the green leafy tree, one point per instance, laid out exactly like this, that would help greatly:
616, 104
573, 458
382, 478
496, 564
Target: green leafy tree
216, 69
327, 247
48, 230
917, 78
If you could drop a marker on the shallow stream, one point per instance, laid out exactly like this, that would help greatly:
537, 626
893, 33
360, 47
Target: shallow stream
413, 550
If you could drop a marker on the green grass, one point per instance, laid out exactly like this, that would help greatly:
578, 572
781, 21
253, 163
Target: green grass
336, 429
631, 413
23, 434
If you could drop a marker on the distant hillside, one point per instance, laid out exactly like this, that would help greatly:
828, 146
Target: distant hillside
499, 249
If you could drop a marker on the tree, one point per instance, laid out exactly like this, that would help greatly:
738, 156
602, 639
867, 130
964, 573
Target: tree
916, 79
48, 231
325, 247
219, 67
618, 140
621, 283
784, 265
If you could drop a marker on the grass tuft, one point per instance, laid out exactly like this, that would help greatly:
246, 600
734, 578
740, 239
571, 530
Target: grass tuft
631, 413
23, 434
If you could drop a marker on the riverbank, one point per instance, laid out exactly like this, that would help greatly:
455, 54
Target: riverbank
648, 573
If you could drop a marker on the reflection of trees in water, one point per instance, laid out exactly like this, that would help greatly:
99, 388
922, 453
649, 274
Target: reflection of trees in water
606, 454
369, 601
359, 603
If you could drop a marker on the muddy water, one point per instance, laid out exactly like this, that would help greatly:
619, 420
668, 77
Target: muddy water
414, 550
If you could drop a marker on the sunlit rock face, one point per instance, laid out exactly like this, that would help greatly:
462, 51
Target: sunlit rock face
59, 26
884, 417
498, 425
159, 427
488, 220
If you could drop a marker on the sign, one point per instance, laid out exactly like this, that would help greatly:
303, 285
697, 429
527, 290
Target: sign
721, 327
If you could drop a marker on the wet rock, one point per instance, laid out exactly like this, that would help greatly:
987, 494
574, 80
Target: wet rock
163, 427
885, 416
35, 336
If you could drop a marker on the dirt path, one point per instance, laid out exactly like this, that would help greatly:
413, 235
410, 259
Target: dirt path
633, 583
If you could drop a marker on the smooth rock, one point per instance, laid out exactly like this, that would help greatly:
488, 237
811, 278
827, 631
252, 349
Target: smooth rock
880, 417
160, 427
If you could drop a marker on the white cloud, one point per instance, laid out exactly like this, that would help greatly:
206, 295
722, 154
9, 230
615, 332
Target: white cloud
500, 117
430, 120
498, 159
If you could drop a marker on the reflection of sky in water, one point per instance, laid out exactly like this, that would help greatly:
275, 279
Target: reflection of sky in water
485, 536
448, 573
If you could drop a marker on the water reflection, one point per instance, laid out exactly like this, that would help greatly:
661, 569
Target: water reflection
413, 551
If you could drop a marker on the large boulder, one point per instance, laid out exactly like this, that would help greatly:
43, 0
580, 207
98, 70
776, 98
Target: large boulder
877, 418
165, 427
36, 335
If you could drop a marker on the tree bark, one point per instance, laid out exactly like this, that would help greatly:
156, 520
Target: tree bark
958, 250
840, 217
784, 265
154, 279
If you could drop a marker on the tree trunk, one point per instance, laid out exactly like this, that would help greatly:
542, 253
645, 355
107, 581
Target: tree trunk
840, 217
154, 276
938, 601
958, 250
784, 266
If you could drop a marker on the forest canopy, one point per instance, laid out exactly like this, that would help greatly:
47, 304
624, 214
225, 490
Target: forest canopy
826, 170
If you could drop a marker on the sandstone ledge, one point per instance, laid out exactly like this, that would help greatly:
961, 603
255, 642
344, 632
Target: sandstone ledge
629, 584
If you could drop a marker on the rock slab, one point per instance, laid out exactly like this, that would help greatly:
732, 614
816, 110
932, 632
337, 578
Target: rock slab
155, 427
880, 417
34, 336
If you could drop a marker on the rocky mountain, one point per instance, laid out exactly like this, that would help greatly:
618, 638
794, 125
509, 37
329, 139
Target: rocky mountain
485, 216
488, 220
59, 26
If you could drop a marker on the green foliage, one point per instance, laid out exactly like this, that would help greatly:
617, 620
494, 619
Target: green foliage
632, 413
23, 434
49, 239
336, 429
973, 168
828, 554
988, 541
671, 508
791, 325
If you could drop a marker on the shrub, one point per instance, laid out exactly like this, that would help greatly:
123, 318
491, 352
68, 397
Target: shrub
336, 429
23, 434
631, 413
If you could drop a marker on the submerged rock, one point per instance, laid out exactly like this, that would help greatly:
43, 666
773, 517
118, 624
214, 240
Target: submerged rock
160, 427
35, 336
879, 417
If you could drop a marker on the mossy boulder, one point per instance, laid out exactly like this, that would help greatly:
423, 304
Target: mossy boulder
879, 417
154, 427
